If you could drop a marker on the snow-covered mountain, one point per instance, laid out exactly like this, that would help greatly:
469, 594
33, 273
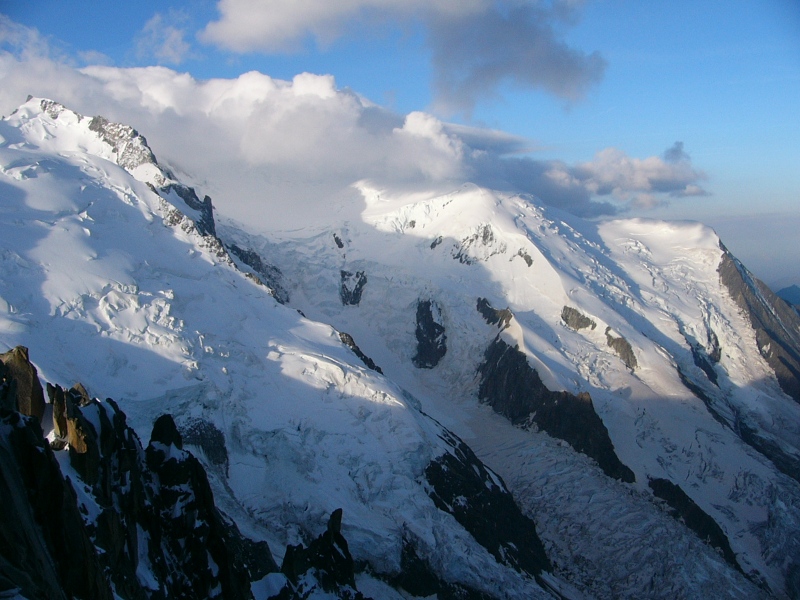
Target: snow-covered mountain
506, 401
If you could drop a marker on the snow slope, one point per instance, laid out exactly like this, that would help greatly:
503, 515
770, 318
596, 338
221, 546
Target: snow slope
108, 285
106, 267
653, 283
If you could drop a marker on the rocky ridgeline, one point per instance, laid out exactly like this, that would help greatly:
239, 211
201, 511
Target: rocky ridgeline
93, 514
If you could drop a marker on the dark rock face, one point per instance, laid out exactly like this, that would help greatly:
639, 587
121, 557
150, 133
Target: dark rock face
325, 564
695, 518
418, 579
142, 521
786, 463
431, 338
705, 362
525, 256
576, 319
514, 389
338, 241
269, 274
191, 533
493, 316
24, 390
155, 503
45, 550
348, 341
478, 499
205, 223
352, 287
776, 325
623, 349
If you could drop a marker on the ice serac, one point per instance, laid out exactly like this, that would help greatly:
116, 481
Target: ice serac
776, 325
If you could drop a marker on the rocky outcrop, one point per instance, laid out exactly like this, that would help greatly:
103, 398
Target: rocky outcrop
494, 316
269, 274
461, 485
683, 508
525, 256
431, 336
705, 361
142, 522
352, 286
205, 221
514, 389
478, 247
776, 325
45, 550
418, 579
176, 218
326, 564
348, 341
23, 392
623, 349
152, 510
576, 319
191, 533
128, 145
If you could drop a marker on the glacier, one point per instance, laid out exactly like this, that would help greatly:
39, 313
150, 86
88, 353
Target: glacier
117, 275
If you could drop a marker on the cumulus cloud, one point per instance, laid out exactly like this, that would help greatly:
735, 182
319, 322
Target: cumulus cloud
283, 25
608, 184
612, 172
258, 145
476, 45
164, 39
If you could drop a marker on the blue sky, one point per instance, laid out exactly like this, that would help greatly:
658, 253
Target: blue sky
720, 77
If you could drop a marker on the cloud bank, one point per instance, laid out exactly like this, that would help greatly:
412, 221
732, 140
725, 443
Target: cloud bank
164, 39
258, 145
476, 45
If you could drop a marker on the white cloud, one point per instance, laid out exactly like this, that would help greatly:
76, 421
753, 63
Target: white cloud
283, 25
613, 172
260, 146
476, 45
163, 39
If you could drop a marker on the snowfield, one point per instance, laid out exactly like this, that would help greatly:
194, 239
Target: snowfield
109, 280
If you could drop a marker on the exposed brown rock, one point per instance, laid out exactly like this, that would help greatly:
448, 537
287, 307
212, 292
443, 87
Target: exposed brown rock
576, 319
623, 349
29, 394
